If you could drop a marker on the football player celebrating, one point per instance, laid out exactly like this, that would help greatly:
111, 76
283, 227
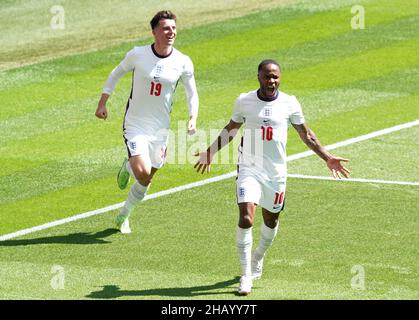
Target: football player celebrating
261, 177
156, 70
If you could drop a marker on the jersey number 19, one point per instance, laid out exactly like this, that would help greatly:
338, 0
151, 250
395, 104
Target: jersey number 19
155, 89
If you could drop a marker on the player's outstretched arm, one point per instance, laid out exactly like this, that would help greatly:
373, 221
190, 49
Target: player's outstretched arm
226, 135
333, 162
118, 72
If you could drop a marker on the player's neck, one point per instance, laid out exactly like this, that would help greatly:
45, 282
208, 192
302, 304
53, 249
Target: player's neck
265, 97
162, 51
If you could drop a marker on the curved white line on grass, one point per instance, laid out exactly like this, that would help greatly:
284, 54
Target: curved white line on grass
301, 176
203, 182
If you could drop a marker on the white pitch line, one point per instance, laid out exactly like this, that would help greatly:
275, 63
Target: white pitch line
357, 139
114, 207
300, 176
203, 182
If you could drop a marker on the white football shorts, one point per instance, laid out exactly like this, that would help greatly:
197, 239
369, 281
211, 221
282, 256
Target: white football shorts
270, 195
153, 152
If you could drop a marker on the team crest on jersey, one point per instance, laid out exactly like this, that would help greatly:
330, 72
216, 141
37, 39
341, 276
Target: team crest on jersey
158, 72
133, 145
242, 192
267, 112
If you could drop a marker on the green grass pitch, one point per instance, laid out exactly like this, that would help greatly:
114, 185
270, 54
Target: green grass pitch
337, 240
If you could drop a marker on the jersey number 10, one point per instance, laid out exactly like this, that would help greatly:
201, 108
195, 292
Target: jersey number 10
279, 197
155, 89
267, 133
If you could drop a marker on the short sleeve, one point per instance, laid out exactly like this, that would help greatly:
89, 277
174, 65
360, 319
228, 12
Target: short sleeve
128, 63
237, 112
296, 112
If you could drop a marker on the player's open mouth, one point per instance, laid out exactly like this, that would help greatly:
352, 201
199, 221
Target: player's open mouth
270, 90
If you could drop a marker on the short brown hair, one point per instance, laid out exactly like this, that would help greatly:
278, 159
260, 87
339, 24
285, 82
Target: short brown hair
165, 14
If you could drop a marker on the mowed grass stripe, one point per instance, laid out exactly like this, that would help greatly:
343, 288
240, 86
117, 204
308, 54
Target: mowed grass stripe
314, 52
96, 24
371, 63
61, 174
72, 65
38, 96
84, 76
286, 34
342, 71
61, 90
63, 202
306, 27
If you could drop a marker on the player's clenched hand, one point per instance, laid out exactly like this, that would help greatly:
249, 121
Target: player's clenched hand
204, 161
334, 164
192, 127
101, 112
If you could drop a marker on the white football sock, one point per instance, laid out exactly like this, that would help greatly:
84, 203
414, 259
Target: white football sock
135, 195
244, 242
267, 236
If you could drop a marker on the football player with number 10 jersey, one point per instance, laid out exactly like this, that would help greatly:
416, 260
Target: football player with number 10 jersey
261, 179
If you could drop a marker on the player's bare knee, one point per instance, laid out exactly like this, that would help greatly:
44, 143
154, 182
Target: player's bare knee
271, 223
142, 176
246, 221
144, 180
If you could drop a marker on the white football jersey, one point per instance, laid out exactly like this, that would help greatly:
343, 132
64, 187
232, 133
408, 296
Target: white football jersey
154, 82
262, 151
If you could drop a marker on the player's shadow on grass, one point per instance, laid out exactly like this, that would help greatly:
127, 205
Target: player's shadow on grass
112, 291
73, 238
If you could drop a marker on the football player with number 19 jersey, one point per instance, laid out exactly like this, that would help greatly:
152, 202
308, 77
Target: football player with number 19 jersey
156, 71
